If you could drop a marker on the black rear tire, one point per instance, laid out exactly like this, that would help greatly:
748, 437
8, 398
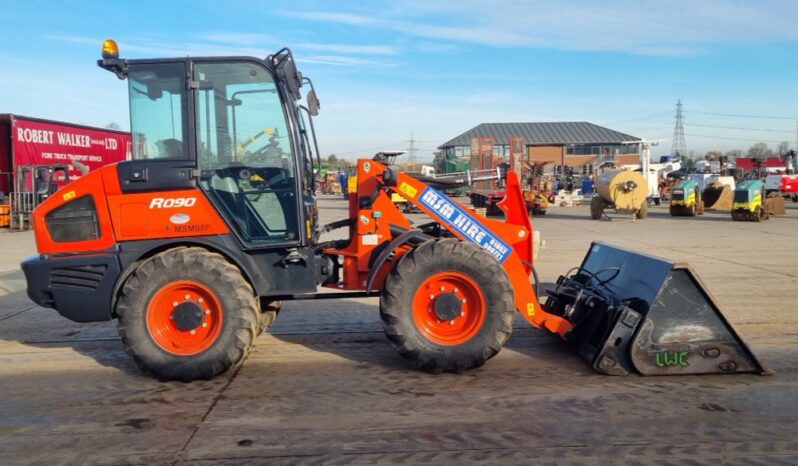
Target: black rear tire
406, 280
596, 208
643, 211
269, 310
238, 322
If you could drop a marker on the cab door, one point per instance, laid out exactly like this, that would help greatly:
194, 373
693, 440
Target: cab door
246, 153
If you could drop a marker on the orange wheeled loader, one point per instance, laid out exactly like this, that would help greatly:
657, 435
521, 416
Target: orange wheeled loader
193, 244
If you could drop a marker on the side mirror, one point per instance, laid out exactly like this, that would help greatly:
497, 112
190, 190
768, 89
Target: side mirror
154, 93
313, 103
283, 61
82, 168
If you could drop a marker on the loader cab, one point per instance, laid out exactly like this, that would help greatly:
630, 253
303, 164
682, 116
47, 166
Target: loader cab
234, 125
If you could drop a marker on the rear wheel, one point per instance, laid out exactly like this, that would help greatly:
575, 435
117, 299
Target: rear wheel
187, 314
643, 212
447, 306
596, 208
269, 310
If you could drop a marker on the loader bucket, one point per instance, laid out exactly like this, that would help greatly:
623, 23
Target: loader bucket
717, 196
634, 312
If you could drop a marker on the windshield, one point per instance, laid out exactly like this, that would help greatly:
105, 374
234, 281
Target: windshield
157, 105
244, 149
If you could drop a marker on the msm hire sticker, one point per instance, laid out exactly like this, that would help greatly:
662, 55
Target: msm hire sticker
464, 223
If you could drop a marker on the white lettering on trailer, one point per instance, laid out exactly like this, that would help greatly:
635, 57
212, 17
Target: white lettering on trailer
36, 136
74, 140
172, 202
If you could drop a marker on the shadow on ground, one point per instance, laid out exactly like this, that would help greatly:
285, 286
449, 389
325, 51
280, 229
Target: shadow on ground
23, 321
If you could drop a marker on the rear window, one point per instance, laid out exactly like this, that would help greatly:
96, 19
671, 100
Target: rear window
157, 110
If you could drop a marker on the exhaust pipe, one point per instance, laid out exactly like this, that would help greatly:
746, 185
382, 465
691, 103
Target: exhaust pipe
633, 312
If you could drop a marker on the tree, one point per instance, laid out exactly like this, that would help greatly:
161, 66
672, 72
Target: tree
713, 155
784, 147
760, 151
113, 125
332, 160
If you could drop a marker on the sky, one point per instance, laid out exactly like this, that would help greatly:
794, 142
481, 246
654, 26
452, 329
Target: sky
386, 70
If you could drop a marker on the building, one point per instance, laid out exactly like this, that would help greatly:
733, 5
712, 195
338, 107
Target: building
572, 144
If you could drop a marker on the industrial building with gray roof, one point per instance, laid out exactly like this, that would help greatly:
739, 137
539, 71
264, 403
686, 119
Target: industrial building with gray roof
571, 143
545, 133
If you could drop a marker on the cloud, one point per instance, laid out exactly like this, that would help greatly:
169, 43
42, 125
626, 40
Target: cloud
340, 60
237, 37
353, 49
646, 27
224, 43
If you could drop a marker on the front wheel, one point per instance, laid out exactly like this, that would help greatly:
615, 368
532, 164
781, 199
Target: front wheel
447, 306
187, 314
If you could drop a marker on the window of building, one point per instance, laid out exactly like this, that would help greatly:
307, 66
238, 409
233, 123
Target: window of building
601, 149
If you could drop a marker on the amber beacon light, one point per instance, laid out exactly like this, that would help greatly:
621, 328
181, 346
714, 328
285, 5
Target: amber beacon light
110, 49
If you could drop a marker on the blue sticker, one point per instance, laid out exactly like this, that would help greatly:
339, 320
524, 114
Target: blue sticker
458, 219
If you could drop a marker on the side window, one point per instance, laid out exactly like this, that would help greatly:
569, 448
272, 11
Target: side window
157, 106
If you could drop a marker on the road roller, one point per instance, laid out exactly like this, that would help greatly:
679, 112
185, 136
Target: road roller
624, 191
686, 199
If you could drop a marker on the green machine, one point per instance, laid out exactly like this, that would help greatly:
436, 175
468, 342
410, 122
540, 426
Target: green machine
748, 202
686, 199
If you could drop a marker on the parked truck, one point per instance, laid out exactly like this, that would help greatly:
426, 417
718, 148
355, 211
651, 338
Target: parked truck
37, 156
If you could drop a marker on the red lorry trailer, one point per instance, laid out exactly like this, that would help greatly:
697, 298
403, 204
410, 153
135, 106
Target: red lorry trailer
37, 156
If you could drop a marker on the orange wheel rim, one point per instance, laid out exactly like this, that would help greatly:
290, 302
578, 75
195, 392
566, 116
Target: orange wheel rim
449, 308
184, 317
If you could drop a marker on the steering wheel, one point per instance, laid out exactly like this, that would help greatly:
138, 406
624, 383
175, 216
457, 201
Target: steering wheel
261, 179
241, 148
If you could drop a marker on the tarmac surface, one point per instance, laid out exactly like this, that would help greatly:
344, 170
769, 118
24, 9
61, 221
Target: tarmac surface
324, 386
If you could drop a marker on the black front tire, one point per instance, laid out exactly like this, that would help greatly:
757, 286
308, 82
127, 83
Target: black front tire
239, 321
405, 281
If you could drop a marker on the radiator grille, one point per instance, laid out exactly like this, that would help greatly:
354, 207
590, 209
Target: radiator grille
84, 277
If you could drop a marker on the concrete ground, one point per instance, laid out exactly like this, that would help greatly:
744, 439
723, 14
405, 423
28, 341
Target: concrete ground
324, 385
